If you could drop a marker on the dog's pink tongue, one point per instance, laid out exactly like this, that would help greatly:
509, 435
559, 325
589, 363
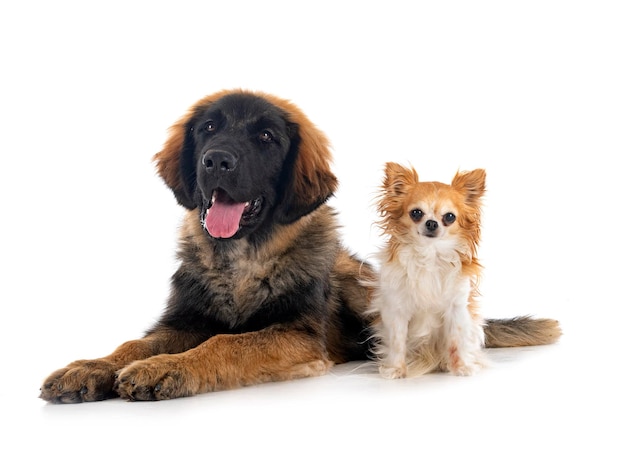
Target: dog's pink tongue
222, 219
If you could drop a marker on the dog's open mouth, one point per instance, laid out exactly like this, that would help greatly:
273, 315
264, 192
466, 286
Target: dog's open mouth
224, 216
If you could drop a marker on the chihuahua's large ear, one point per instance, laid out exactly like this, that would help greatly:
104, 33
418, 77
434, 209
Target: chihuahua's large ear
398, 178
391, 198
308, 179
472, 184
175, 163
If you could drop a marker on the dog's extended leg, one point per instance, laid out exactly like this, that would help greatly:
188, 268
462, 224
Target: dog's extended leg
225, 361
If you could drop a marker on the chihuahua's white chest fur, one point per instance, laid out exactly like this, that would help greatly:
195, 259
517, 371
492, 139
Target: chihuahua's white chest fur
424, 323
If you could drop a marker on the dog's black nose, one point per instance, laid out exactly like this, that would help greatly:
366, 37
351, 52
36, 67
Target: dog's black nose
431, 225
221, 161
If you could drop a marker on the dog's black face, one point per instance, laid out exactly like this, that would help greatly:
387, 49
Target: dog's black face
238, 157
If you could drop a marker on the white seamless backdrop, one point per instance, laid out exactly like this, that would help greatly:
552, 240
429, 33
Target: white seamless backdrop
531, 91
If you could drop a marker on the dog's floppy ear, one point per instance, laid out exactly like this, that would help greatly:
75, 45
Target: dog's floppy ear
309, 181
471, 184
175, 163
170, 159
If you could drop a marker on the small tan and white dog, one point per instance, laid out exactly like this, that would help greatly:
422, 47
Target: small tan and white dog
427, 292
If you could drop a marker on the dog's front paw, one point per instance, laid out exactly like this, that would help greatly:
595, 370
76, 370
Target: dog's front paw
391, 372
80, 381
157, 378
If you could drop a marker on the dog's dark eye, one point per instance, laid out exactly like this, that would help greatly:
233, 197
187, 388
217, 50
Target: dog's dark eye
448, 219
416, 214
210, 126
266, 137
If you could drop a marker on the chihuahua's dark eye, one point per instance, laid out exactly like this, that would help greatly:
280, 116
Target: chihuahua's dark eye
448, 219
210, 126
416, 214
266, 137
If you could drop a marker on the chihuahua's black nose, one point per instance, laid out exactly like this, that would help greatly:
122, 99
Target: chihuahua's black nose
431, 225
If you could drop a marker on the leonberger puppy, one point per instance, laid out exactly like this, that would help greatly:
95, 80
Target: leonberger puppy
265, 291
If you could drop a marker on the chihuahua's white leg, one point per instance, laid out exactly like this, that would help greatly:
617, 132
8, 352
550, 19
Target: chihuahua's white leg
464, 341
394, 330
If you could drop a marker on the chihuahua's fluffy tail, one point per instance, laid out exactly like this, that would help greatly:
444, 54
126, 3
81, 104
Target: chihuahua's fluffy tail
521, 331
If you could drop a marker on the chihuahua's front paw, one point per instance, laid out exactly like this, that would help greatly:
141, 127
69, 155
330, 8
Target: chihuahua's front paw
465, 366
391, 372
464, 369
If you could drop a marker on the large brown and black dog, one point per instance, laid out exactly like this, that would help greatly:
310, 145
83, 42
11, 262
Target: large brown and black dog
264, 291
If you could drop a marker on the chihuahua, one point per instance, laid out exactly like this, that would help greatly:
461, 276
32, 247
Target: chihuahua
427, 292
